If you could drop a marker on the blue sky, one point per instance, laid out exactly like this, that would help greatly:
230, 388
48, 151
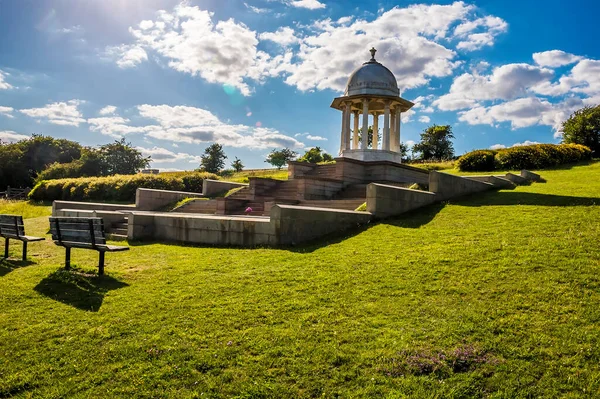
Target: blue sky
172, 77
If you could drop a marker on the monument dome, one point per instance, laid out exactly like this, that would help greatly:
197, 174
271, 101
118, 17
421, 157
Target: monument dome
372, 78
372, 92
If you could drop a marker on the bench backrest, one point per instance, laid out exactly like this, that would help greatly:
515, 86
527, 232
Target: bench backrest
78, 230
11, 226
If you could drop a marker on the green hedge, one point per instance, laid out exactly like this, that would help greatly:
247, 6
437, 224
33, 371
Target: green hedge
119, 188
536, 156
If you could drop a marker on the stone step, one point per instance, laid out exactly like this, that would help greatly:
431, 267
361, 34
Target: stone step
116, 237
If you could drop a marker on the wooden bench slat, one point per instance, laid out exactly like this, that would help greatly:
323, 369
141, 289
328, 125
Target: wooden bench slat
78, 236
77, 226
75, 220
100, 247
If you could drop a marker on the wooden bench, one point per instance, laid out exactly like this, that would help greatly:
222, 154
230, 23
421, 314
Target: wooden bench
11, 227
84, 233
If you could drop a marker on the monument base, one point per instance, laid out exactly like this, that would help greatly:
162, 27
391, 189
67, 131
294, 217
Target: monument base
372, 155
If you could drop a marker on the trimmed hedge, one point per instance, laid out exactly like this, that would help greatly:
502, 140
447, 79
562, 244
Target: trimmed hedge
536, 156
118, 188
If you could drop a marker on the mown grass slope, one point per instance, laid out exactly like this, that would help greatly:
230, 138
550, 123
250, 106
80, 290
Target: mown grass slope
491, 296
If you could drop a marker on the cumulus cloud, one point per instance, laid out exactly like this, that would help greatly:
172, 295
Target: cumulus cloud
502, 146
424, 119
309, 136
480, 32
6, 111
283, 36
255, 9
4, 85
8, 136
505, 82
412, 42
309, 4
555, 58
162, 155
183, 124
60, 113
497, 147
108, 110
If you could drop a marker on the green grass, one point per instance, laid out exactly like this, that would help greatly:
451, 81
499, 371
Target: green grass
25, 209
242, 177
505, 285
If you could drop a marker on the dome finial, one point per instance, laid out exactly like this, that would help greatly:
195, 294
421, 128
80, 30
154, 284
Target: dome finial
373, 51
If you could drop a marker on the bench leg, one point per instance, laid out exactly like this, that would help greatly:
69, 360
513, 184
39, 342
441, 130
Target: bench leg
24, 251
101, 263
68, 259
6, 248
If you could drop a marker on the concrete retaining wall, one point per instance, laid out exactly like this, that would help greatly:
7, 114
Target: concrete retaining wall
531, 176
214, 187
91, 206
447, 186
149, 200
314, 188
198, 206
294, 224
299, 169
384, 201
498, 182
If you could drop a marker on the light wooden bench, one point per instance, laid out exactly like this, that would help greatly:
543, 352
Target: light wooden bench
84, 233
11, 227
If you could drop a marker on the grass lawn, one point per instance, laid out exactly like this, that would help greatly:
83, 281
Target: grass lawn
491, 296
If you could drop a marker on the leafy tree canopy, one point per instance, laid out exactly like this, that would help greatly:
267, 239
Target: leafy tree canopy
213, 159
237, 165
281, 157
583, 127
436, 143
121, 158
315, 155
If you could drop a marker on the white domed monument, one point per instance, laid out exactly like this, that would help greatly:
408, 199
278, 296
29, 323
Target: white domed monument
372, 90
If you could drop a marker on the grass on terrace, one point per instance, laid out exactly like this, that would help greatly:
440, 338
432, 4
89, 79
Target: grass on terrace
491, 296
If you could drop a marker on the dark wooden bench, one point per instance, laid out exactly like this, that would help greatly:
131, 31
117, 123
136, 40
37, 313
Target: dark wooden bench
11, 227
84, 233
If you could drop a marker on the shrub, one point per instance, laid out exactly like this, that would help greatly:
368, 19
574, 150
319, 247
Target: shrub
475, 161
119, 188
536, 156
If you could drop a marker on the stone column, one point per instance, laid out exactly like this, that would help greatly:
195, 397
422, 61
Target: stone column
375, 130
386, 127
393, 130
347, 136
343, 134
398, 120
355, 135
365, 128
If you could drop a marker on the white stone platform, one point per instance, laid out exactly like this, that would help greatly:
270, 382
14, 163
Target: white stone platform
372, 155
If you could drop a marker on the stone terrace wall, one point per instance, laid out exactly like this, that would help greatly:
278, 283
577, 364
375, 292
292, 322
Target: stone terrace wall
213, 187
149, 200
447, 186
294, 224
90, 206
384, 201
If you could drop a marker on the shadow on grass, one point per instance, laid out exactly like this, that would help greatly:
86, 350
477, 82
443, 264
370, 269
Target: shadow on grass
83, 291
518, 198
7, 265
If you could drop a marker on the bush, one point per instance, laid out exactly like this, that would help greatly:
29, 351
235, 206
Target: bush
117, 188
474, 161
536, 156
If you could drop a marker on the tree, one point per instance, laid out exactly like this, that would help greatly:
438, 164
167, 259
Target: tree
435, 143
213, 159
315, 155
280, 158
237, 165
122, 158
583, 127
370, 144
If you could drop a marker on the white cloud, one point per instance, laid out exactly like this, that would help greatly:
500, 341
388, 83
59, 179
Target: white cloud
108, 110
6, 111
162, 155
60, 113
8, 136
479, 33
309, 136
4, 85
526, 142
284, 36
116, 126
256, 10
555, 58
127, 56
497, 147
505, 82
424, 119
410, 143
309, 4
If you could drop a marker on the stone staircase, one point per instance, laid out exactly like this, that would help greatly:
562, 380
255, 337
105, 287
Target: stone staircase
354, 191
323, 171
117, 231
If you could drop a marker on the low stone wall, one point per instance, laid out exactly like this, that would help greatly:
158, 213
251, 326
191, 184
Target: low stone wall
531, 176
497, 181
384, 201
213, 187
352, 171
447, 186
516, 178
259, 186
91, 206
299, 169
199, 205
315, 188
149, 200
295, 224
